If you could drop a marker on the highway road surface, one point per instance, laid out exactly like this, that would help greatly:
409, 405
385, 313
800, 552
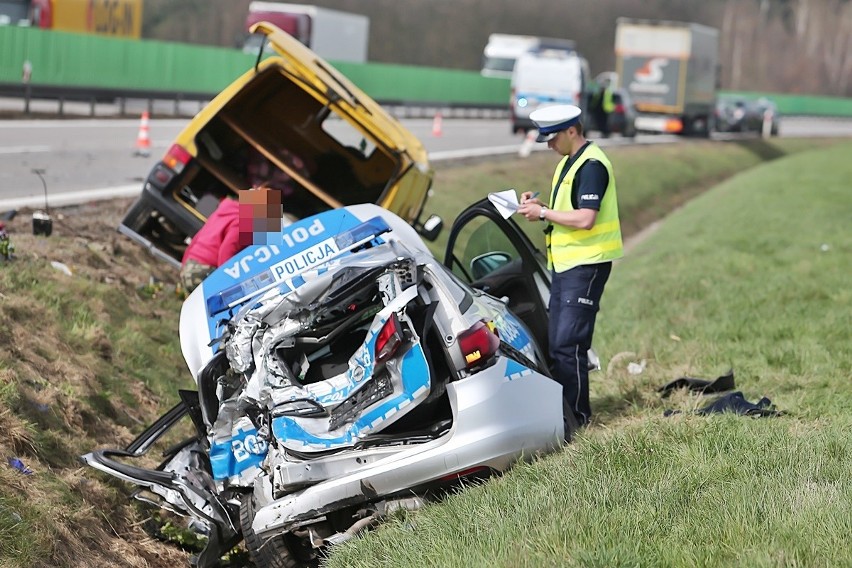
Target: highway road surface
89, 159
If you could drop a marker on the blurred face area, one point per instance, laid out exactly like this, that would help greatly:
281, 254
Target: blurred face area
260, 213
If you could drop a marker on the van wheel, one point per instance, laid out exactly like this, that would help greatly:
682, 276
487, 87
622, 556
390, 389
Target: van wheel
282, 551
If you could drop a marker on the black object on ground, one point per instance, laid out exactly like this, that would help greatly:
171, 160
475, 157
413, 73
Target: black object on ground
735, 402
721, 384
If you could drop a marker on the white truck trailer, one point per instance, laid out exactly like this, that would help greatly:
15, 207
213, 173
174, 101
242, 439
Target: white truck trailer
671, 70
331, 34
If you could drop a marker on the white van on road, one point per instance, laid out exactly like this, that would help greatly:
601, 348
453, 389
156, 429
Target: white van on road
543, 78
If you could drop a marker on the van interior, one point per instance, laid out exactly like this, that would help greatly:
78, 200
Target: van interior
271, 133
275, 133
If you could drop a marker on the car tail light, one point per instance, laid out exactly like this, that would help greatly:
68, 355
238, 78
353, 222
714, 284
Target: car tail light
388, 340
478, 344
177, 157
619, 109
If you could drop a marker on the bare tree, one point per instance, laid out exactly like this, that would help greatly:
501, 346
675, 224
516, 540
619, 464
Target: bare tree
795, 46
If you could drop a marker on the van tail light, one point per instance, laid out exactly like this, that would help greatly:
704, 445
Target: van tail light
177, 158
388, 340
479, 344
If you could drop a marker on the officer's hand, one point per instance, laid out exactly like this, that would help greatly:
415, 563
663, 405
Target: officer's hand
530, 197
529, 210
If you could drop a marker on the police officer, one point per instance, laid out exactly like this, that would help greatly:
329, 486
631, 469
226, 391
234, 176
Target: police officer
583, 237
602, 105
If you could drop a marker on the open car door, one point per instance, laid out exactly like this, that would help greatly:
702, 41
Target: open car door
496, 256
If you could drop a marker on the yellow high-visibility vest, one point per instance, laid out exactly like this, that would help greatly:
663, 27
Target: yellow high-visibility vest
568, 247
607, 103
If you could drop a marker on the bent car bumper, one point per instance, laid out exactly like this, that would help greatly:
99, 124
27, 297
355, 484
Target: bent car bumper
500, 415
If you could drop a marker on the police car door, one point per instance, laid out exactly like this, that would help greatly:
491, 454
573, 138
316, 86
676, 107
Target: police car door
496, 256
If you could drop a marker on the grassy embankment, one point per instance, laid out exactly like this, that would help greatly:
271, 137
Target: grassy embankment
753, 275
736, 278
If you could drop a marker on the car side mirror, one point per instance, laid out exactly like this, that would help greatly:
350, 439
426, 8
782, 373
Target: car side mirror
484, 264
431, 228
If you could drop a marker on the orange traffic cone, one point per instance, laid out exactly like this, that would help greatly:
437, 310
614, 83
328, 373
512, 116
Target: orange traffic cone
143, 141
436, 124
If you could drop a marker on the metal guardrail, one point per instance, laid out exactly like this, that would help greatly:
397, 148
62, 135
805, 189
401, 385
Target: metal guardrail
119, 98
27, 93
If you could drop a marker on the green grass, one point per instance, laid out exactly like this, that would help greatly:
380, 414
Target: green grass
736, 278
651, 180
17, 539
65, 387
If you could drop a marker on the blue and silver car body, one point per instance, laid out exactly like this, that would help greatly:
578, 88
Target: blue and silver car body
339, 367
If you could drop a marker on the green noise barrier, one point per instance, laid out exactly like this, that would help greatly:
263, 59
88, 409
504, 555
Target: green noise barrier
83, 60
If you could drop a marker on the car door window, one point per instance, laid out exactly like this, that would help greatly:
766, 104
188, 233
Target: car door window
481, 248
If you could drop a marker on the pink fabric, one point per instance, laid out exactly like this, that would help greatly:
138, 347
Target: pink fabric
219, 239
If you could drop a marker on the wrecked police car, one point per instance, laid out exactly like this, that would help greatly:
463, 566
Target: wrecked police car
342, 373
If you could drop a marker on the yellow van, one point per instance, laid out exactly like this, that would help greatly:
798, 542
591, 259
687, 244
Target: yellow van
292, 122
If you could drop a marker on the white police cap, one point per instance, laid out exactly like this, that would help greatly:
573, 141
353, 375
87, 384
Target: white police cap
555, 118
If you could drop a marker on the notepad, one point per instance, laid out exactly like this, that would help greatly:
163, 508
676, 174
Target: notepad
506, 202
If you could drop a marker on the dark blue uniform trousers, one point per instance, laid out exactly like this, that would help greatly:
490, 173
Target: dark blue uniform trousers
575, 297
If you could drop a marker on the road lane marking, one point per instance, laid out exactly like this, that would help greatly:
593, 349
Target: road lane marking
72, 197
24, 149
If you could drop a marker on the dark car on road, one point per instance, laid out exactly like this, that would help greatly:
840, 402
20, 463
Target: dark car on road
730, 114
741, 115
762, 113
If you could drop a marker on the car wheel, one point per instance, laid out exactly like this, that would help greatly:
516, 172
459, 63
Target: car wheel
282, 551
